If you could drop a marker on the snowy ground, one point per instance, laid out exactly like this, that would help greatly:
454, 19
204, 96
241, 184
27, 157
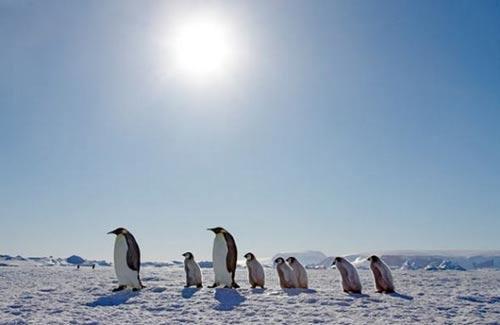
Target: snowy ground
41, 295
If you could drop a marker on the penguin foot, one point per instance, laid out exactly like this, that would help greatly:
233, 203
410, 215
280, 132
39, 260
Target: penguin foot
199, 286
235, 285
136, 289
213, 286
120, 288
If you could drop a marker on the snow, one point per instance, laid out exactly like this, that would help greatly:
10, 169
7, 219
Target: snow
64, 295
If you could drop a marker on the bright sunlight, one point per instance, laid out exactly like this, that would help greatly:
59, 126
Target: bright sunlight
203, 49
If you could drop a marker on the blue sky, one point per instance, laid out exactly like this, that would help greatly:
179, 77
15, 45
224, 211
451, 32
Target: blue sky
347, 126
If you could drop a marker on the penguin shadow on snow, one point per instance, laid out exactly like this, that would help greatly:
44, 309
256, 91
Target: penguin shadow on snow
358, 295
189, 292
228, 299
114, 299
298, 291
257, 290
400, 296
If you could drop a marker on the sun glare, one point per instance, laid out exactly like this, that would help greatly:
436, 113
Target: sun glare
202, 49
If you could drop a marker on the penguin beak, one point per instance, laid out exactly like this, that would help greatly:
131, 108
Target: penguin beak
111, 232
333, 263
211, 229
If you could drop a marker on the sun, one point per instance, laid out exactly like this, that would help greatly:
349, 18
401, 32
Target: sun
203, 49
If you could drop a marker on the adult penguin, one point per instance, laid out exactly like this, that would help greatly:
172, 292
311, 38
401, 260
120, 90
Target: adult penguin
224, 258
127, 260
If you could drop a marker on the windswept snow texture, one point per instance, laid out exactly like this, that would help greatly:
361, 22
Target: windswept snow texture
62, 295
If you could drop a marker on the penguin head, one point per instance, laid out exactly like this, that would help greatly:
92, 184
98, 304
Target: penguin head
279, 261
249, 256
118, 231
337, 260
373, 258
188, 255
218, 230
291, 260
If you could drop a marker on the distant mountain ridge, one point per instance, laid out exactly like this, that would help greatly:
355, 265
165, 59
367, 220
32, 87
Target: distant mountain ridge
305, 258
73, 260
405, 260
425, 260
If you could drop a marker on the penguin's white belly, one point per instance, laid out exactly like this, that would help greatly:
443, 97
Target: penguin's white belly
222, 275
125, 275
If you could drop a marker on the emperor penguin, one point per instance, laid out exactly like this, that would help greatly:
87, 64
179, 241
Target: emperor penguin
285, 273
193, 272
127, 260
299, 271
381, 275
256, 275
349, 275
224, 258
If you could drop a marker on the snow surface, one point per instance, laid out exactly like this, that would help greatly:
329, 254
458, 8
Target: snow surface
65, 295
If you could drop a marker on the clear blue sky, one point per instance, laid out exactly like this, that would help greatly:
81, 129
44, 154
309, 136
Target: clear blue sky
349, 126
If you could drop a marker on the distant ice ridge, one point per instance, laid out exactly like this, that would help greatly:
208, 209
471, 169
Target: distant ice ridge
443, 266
414, 260
305, 258
73, 260
404, 260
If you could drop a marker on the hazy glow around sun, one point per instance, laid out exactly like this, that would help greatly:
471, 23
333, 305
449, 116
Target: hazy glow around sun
203, 49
